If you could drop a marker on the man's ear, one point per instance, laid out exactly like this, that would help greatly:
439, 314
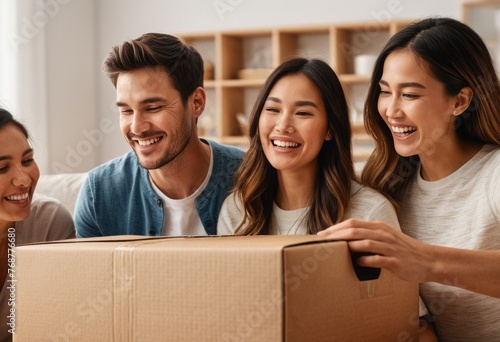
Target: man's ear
463, 100
198, 98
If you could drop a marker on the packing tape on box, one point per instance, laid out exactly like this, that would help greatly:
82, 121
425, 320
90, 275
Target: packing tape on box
124, 274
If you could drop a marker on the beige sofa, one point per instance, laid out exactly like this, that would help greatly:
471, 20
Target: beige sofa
63, 186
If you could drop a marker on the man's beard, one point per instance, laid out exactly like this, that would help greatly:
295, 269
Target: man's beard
171, 152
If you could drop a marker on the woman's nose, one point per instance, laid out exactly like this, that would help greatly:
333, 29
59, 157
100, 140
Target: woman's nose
21, 178
284, 124
393, 109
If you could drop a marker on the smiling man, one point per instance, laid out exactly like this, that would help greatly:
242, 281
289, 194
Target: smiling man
172, 182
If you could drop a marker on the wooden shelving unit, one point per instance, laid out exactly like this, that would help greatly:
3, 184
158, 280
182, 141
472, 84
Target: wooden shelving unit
243, 59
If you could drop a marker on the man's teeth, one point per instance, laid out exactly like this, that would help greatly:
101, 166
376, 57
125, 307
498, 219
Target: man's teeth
147, 142
288, 144
17, 197
403, 129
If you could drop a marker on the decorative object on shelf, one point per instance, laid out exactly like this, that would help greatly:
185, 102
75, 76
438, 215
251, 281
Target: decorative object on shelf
357, 111
257, 52
357, 97
363, 64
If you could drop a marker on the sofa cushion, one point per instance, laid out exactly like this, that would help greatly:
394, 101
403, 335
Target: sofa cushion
63, 187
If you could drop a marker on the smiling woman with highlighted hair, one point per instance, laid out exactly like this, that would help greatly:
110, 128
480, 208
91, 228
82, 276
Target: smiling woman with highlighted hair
297, 176
433, 108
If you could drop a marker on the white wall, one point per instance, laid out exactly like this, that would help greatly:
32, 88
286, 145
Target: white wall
72, 69
81, 99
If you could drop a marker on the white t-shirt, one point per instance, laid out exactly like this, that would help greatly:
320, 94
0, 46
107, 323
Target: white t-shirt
366, 204
462, 211
180, 216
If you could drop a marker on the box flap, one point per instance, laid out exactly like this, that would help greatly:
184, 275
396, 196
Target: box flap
325, 300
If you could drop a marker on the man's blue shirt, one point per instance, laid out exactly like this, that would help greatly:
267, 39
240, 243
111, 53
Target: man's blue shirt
117, 197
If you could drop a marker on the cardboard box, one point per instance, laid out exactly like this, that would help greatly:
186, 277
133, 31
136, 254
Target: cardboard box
253, 288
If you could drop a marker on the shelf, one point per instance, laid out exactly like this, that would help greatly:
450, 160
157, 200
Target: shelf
244, 50
354, 79
209, 83
242, 83
310, 42
355, 40
242, 59
358, 129
205, 44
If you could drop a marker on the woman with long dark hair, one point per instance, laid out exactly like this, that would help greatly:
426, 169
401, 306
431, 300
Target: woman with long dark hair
433, 111
297, 176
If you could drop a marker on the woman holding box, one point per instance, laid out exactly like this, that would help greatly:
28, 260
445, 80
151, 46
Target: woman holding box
24, 217
297, 175
433, 110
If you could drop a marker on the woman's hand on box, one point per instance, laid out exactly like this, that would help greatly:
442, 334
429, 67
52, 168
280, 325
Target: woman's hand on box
390, 249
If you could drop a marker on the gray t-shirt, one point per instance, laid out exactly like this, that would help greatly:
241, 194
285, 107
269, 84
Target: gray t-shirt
462, 211
49, 220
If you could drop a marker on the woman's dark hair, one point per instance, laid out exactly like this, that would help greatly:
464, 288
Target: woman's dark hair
257, 182
457, 57
6, 118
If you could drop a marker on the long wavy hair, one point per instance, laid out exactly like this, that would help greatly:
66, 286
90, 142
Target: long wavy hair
458, 58
257, 180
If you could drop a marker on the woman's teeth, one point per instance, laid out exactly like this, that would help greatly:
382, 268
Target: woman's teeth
403, 130
17, 197
285, 144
